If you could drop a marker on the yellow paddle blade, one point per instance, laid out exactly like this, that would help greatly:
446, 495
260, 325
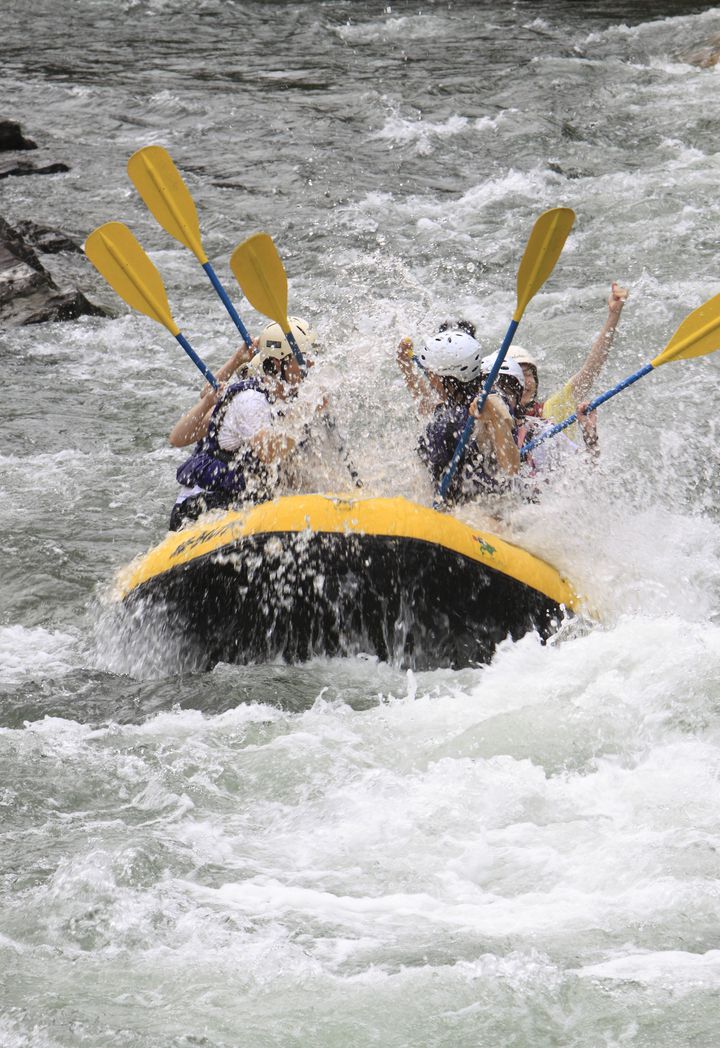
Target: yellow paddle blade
543, 249
116, 254
697, 335
161, 186
260, 273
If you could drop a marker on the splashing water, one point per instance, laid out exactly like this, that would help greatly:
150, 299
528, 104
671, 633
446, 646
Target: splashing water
340, 853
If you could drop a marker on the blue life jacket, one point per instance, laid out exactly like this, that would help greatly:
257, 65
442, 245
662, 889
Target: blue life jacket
212, 468
436, 448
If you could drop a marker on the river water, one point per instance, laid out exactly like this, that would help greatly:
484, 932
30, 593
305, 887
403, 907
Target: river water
343, 853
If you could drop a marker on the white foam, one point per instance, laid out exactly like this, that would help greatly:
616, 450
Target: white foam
195, 723
520, 851
35, 654
675, 970
661, 29
400, 130
394, 28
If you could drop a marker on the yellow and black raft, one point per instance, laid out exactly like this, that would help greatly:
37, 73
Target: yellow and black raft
305, 575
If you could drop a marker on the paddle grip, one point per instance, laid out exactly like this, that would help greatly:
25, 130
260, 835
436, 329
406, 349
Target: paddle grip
470, 424
591, 407
228, 304
199, 364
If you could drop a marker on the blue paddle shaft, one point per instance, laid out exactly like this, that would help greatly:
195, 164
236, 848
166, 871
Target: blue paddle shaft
470, 424
296, 351
228, 304
199, 364
591, 407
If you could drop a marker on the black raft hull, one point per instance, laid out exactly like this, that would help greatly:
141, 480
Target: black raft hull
309, 575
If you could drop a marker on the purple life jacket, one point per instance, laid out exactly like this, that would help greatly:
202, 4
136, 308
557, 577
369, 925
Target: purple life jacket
212, 468
436, 448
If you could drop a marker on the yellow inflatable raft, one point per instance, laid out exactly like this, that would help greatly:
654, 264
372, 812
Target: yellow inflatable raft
321, 574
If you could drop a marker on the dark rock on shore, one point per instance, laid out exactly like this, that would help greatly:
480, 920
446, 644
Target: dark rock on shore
25, 167
67, 306
46, 240
12, 140
11, 137
28, 294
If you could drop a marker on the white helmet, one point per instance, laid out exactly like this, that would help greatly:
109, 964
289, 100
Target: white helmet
452, 353
273, 344
508, 369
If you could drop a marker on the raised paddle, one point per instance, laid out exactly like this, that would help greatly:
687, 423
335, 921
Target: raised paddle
161, 186
117, 256
260, 273
697, 336
542, 251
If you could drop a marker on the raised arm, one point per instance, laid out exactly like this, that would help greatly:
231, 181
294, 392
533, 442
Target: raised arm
241, 356
420, 387
494, 430
583, 381
194, 423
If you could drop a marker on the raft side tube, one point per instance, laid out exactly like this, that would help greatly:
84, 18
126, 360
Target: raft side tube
416, 604
370, 517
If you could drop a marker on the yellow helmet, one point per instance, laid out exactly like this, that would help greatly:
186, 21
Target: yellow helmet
521, 356
272, 343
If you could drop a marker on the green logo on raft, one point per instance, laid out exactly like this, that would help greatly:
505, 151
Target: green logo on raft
484, 546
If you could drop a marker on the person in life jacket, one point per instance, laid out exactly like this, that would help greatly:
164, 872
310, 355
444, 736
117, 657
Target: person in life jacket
244, 430
453, 361
572, 396
555, 453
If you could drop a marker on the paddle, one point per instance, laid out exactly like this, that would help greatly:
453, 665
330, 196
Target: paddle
117, 256
260, 273
161, 186
697, 336
542, 251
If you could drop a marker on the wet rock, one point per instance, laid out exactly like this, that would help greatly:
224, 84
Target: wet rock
11, 137
566, 172
68, 306
706, 56
25, 167
48, 241
12, 140
572, 133
28, 294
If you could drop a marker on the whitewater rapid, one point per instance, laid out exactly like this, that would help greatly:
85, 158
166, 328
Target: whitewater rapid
522, 854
